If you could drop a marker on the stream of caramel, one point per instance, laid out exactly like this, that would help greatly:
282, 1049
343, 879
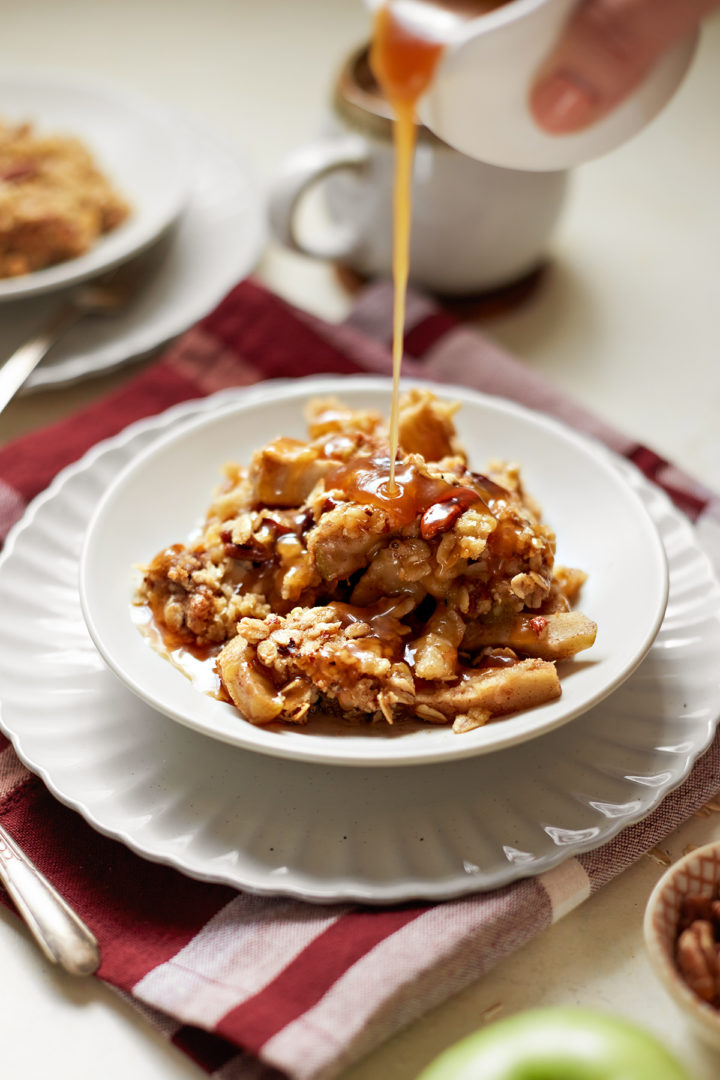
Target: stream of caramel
404, 65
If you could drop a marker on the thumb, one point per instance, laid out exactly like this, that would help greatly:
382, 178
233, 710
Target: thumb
605, 51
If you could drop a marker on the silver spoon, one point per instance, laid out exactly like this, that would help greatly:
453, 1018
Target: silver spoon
59, 931
107, 295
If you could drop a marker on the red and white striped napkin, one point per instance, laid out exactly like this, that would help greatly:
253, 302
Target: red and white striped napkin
258, 988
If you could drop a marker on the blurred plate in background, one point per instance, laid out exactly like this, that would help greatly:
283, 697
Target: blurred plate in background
214, 242
133, 145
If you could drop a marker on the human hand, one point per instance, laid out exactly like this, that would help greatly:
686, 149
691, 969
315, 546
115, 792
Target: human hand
605, 51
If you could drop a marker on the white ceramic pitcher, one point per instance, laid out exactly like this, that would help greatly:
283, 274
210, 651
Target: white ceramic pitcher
479, 98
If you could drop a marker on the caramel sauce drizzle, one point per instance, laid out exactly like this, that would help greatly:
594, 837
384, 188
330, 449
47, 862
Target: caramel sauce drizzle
365, 480
196, 662
403, 64
437, 501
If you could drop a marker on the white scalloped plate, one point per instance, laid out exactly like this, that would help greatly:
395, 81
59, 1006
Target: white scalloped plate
601, 524
317, 832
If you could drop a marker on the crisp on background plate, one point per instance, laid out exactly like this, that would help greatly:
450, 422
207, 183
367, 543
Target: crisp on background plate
132, 143
601, 524
215, 242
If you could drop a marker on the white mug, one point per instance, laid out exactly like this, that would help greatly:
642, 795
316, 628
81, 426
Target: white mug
475, 227
478, 100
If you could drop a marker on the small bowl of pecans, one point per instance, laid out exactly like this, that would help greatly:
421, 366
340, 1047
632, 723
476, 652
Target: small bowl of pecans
682, 937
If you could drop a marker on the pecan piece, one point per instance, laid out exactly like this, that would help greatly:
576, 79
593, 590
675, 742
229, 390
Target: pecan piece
696, 953
441, 516
19, 170
700, 907
251, 551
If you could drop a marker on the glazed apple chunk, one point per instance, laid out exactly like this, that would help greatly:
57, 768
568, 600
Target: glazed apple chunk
315, 584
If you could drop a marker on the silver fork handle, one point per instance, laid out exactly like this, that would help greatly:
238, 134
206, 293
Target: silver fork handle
58, 930
18, 367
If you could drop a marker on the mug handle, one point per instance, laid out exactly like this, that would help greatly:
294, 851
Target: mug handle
300, 171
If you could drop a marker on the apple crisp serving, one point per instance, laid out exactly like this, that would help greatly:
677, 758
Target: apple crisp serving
54, 201
313, 584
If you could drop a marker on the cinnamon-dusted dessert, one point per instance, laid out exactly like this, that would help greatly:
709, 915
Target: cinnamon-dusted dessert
313, 584
54, 201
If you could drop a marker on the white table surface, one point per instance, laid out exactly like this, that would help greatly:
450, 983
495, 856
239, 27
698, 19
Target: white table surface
627, 322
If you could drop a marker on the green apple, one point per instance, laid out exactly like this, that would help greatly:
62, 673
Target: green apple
557, 1043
